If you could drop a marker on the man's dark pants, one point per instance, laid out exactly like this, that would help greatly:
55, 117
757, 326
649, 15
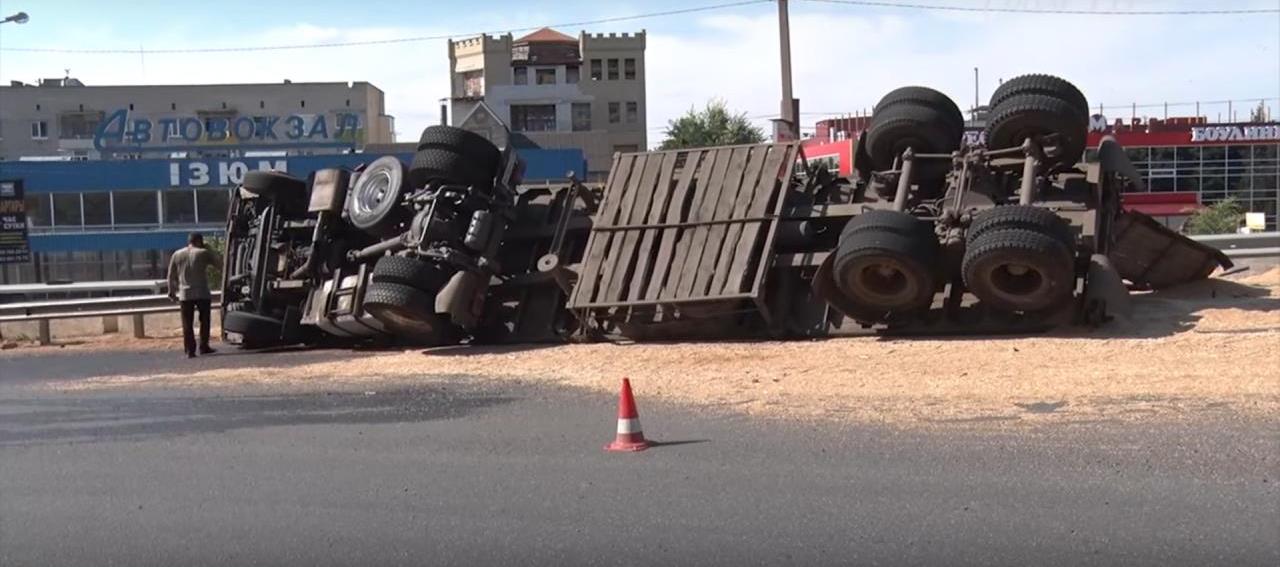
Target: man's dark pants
189, 308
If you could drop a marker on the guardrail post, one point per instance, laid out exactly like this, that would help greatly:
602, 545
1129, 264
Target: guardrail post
110, 324
46, 337
139, 332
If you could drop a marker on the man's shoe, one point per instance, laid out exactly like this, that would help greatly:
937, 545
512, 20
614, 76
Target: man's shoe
207, 350
191, 355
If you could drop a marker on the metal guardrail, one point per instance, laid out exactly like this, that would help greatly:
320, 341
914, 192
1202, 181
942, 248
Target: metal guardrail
1257, 245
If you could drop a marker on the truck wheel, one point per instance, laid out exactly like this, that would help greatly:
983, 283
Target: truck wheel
470, 145
1037, 219
1040, 84
911, 125
408, 311
886, 274
257, 330
1032, 115
272, 183
1018, 270
886, 220
926, 96
374, 204
433, 164
419, 274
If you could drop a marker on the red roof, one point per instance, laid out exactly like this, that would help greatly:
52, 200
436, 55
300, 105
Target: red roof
547, 35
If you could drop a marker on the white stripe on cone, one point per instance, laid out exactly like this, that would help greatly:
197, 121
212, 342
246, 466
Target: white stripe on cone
628, 426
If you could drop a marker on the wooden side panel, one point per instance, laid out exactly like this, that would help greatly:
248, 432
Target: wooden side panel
783, 160
684, 235
623, 259
598, 243
657, 209
705, 211
663, 262
730, 189
751, 190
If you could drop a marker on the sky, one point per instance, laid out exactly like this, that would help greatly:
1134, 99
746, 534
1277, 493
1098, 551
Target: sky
844, 56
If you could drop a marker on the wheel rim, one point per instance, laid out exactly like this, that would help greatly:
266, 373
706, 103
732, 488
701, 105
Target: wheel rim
375, 190
1020, 283
402, 321
883, 281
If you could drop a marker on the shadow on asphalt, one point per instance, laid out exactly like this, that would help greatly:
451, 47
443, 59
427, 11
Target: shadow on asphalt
31, 422
67, 365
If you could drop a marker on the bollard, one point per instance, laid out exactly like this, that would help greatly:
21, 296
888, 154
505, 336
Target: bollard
138, 331
110, 324
46, 337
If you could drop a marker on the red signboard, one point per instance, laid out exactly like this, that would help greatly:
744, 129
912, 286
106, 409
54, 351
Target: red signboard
837, 155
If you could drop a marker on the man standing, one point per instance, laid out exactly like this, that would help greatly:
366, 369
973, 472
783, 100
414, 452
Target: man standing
189, 284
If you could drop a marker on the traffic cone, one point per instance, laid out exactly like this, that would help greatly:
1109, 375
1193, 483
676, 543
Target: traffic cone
630, 438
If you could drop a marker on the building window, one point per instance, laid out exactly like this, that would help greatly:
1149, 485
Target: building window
615, 112
473, 83
629, 69
533, 117
37, 210
97, 209
581, 116
545, 76
521, 75
40, 130
597, 70
211, 206
613, 69
179, 206
135, 207
66, 209
571, 74
633, 111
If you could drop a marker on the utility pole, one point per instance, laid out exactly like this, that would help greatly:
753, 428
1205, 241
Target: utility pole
975, 96
788, 128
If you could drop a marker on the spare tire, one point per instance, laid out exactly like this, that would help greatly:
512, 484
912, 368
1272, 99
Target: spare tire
373, 204
927, 97
470, 145
419, 274
1047, 85
924, 129
408, 311
272, 183
1032, 115
434, 164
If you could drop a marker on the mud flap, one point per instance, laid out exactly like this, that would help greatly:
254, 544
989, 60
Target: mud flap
1152, 256
1105, 294
462, 299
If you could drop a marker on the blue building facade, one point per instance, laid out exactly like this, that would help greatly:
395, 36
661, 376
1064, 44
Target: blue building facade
119, 219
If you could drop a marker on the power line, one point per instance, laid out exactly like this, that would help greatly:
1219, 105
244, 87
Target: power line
1059, 11
390, 41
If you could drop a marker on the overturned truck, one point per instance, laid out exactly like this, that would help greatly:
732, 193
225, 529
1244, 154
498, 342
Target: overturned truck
930, 235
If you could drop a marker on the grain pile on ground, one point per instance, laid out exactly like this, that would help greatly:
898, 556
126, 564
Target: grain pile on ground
1207, 348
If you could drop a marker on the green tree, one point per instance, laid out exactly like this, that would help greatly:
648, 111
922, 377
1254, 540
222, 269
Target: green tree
1219, 218
219, 247
711, 126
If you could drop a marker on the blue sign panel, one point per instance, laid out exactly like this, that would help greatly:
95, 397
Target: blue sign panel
120, 132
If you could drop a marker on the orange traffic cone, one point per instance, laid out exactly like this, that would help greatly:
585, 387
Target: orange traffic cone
630, 438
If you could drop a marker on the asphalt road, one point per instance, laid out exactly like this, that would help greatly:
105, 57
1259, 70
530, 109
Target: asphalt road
460, 474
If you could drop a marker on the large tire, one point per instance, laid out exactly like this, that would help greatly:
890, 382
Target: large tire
910, 125
449, 166
407, 311
470, 145
257, 330
1017, 270
1028, 115
884, 274
271, 183
374, 201
1048, 85
927, 97
422, 275
1026, 217
886, 220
